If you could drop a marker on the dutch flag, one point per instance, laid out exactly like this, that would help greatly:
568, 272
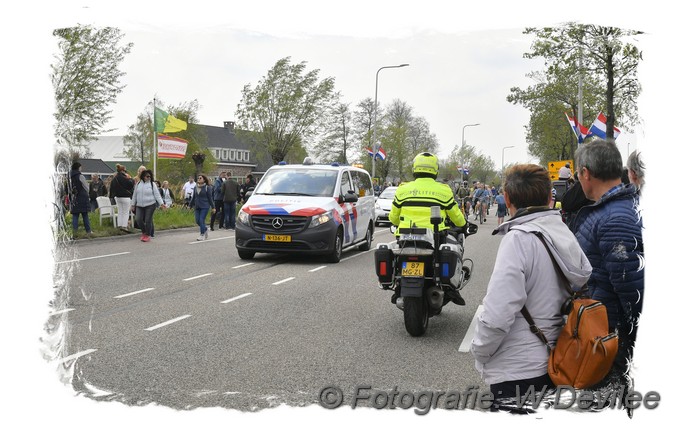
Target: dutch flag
580, 131
599, 127
381, 153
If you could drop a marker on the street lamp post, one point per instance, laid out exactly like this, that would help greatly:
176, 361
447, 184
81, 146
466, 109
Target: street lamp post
463, 143
375, 115
503, 161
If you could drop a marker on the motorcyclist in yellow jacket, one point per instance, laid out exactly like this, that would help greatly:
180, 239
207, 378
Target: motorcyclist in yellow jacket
412, 203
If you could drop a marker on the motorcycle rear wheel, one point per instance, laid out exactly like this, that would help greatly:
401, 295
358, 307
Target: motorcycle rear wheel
416, 316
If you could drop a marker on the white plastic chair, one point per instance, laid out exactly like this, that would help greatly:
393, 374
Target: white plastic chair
106, 210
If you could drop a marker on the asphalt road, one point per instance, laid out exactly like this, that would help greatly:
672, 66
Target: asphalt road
188, 324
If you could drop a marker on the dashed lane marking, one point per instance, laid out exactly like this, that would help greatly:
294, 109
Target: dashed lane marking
235, 298
197, 277
211, 240
316, 269
169, 322
92, 257
243, 265
359, 254
135, 293
283, 281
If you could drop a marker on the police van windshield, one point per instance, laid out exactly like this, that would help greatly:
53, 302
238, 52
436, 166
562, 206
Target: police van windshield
298, 182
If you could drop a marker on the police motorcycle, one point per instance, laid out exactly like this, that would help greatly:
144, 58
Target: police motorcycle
423, 268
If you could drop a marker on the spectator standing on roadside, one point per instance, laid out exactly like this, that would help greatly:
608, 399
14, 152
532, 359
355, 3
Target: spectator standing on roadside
97, 189
202, 202
138, 177
230, 192
509, 356
610, 233
247, 186
636, 170
122, 187
188, 190
145, 199
166, 194
219, 204
80, 199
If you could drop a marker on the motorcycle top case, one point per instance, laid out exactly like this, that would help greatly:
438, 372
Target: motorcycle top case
384, 259
450, 260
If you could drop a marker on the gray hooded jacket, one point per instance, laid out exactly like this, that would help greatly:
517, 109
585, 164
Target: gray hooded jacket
503, 346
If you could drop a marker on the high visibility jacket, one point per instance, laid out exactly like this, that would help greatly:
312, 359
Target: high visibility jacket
412, 202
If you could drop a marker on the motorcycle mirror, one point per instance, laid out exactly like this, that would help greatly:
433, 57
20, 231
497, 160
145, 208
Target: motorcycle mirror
393, 228
471, 228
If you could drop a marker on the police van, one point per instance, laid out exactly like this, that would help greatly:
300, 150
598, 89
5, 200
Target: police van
308, 208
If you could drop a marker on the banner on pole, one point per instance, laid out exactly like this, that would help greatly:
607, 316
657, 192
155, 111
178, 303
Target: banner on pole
170, 147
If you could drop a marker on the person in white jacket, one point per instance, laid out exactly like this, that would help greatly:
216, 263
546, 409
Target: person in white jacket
507, 354
144, 201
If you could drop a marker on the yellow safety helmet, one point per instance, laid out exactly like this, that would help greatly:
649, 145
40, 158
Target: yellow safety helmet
426, 163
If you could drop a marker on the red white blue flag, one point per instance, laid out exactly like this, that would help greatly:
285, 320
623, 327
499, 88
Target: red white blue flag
599, 127
580, 131
380, 155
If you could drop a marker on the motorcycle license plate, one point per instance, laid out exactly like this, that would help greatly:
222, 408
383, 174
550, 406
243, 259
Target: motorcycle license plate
412, 269
276, 238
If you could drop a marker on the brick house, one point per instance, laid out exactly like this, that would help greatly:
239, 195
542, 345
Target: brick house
233, 154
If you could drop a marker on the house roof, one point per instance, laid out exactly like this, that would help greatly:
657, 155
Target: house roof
90, 166
222, 137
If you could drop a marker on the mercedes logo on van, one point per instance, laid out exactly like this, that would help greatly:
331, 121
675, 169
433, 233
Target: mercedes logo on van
277, 223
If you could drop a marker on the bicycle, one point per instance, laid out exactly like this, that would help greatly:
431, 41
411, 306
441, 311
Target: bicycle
482, 212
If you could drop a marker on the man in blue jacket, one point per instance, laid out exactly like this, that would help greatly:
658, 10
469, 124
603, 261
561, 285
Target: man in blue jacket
610, 233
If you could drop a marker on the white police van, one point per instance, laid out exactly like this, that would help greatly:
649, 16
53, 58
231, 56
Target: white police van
308, 208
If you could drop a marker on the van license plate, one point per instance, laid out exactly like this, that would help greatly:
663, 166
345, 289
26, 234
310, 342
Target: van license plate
276, 238
412, 269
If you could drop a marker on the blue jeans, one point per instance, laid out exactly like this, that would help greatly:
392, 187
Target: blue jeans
200, 214
86, 221
230, 215
144, 216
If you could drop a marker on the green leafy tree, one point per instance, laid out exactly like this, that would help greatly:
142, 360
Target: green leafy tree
337, 143
363, 126
604, 53
403, 135
548, 133
86, 80
481, 167
285, 107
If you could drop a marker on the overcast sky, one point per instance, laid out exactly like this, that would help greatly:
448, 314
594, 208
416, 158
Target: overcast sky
454, 77
464, 59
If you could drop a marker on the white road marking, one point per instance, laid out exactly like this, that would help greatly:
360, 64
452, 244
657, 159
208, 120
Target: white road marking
135, 293
316, 269
169, 322
211, 240
197, 277
283, 281
62, 311
77, 355
235, 298
467, 340
382, 231
93, 257
243, 265
356, 255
